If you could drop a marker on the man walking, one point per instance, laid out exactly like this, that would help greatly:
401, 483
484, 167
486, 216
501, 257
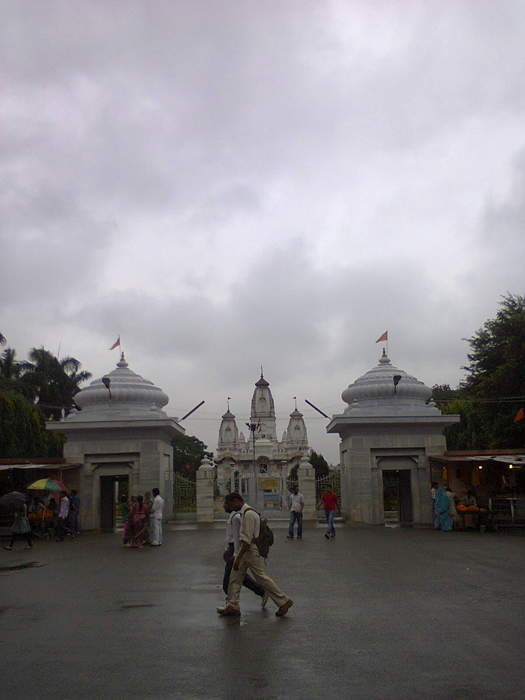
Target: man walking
233, 545
155, 518
74, 510
249, 558
329, 503
63, 513
296, 502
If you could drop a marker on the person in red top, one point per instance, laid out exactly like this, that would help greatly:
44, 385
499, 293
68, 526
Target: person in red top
329, 503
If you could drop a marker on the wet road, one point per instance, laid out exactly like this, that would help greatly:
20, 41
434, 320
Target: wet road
378, 614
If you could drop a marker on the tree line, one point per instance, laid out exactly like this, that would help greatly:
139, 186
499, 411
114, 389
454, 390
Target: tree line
32, 391
490, 397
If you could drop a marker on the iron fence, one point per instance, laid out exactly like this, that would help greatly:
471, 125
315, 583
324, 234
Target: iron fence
331, 480
184, 494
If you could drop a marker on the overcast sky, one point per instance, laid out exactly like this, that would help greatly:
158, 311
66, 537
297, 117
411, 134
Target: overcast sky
226, 184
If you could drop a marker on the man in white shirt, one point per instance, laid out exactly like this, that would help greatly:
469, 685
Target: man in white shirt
155, 518
63, 512
233, 545
296, 502
249, 558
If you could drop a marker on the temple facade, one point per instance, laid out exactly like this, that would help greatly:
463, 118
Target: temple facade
388, 431
252, 460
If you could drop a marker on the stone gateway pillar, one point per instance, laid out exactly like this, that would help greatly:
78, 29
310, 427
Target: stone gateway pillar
205, 488
306, 477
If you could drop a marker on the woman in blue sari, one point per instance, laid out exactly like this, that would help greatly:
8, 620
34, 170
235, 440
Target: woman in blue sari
442, 504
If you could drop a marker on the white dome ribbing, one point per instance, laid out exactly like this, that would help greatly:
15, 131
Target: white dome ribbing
132, 397
373, 393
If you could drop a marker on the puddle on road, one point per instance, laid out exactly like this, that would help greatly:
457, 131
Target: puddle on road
127, 606
25, 565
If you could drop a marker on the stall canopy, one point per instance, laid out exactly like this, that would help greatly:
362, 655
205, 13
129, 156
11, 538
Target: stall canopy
48, 467
456, 457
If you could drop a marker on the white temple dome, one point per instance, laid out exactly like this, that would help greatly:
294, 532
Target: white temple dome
131, 397
375, 393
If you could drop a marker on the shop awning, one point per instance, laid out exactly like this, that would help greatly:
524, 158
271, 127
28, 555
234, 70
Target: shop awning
48, 467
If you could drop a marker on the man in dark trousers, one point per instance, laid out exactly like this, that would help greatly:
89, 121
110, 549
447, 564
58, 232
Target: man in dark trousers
249, 558
233, 545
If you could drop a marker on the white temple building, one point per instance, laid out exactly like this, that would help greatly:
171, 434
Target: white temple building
122, 438
388, 431
255, 462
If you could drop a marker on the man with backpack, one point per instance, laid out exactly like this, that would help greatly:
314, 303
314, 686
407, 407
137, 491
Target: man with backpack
255, 539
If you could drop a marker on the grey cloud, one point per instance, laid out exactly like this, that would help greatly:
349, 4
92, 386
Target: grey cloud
233, 183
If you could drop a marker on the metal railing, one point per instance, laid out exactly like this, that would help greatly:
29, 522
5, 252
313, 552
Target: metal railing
184, 494
509, 511
332, 480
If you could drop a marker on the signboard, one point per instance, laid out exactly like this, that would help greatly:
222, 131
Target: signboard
269, 483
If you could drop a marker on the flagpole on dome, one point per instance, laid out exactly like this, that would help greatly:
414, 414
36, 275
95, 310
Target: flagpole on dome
118, 344
383, 338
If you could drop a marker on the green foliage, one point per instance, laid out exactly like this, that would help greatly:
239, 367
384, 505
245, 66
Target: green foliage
319, 463
188, 452
52, 382
49, 382
486, 400
22, 429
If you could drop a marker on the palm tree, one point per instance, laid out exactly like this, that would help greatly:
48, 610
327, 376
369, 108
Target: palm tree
3, 339
11, 378
53, 381
9, 367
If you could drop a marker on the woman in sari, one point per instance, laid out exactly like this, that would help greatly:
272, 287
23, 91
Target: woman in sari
124, 512
138, 524
443, 519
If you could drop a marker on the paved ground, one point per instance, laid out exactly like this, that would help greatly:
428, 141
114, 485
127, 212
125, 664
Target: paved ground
378, 614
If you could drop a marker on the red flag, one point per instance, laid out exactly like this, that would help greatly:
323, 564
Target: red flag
115, 344
520, 415
382, 337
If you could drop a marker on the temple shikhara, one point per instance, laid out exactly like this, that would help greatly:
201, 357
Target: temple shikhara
253, 461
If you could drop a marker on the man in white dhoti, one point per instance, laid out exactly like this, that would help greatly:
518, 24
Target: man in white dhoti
155, 518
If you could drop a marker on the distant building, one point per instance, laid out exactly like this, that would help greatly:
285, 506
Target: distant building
259, 467
388, 431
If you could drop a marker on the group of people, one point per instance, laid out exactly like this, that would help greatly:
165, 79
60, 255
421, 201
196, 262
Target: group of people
61, 518
444, 511
142, 519
328, 502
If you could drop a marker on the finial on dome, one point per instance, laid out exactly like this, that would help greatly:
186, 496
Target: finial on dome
122, 362
295, 399
228, 404
384, 359
262, 375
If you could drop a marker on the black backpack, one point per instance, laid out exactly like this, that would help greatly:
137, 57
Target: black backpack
265, 539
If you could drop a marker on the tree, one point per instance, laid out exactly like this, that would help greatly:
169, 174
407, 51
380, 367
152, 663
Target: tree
52, 382
22, 429
188, 452
319, 463
494, 388
10, 371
